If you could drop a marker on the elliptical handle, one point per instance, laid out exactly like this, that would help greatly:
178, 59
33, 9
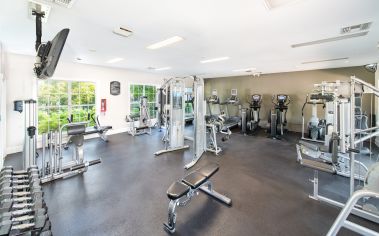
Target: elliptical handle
305, 103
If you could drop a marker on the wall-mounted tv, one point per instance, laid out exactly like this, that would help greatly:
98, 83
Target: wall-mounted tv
48, 55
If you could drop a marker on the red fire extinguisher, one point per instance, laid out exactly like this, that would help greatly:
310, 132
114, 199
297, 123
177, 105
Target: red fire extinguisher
103, 107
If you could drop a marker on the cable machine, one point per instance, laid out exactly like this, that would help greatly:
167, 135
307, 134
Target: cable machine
345, 143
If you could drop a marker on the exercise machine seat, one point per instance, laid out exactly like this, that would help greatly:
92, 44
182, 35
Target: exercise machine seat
103, 128
177, 190
194, 180
91, 130
75, 129
209, 170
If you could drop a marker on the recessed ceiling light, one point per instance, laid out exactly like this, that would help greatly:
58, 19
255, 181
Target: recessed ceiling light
92, 50
114, 60
215, 59
162, 68
245, 70
271, 4
165, 42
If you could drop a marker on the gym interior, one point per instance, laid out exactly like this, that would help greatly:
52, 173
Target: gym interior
210, 117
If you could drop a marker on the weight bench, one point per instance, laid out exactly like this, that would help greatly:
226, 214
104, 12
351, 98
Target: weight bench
181, 192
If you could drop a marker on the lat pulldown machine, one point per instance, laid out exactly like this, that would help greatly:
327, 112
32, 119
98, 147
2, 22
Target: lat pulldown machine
143, 119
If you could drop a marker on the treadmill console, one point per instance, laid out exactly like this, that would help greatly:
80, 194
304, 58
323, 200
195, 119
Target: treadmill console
233, 97
214, 98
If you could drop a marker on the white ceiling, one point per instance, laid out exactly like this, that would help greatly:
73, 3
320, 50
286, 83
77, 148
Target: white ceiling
244, 30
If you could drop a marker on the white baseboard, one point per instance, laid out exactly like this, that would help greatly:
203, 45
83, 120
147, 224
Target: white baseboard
19, 148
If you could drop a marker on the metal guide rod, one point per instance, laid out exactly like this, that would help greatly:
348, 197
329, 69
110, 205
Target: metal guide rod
352, 137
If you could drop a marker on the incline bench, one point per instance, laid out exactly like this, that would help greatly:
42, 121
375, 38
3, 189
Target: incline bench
181, 192
97, 129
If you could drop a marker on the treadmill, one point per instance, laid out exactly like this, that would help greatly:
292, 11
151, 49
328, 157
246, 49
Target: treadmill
233, 100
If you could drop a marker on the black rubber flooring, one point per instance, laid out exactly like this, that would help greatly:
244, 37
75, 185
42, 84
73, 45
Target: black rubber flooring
126, 193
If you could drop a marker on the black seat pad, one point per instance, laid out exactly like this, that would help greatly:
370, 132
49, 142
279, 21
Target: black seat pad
142, 127
209, 170
195, 179
105, 127
75, 129
91, 130
177, 190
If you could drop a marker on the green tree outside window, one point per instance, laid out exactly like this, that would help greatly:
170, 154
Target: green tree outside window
58, 100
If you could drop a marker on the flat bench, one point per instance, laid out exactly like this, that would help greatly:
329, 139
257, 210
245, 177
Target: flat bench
181, 192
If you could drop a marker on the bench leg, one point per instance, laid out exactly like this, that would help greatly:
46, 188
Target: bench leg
170, 226
104, 136
208, 189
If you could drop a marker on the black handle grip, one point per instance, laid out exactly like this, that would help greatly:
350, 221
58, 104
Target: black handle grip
353, 150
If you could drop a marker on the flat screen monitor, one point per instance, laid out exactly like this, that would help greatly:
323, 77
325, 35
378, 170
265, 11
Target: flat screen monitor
48, 55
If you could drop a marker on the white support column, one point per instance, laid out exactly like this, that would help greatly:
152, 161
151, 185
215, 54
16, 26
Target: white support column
377, 104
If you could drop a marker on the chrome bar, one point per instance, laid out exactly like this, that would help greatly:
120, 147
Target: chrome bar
348, 208
366, 130
43, 154
352, 137
376, 133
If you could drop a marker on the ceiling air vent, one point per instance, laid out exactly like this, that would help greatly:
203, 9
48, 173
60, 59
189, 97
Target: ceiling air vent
65, 3
328, 40
326, 60
356, 28
123, 31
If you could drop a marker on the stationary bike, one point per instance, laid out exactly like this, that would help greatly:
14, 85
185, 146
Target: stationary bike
255, 107
278, 115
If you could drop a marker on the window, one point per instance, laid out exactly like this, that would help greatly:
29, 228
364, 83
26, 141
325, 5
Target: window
58, 100
138, 90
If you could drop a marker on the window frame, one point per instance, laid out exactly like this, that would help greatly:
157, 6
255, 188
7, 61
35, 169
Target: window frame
152, 112
70, 106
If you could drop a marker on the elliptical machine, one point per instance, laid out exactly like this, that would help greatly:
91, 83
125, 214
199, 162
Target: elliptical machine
278, 115
255, 107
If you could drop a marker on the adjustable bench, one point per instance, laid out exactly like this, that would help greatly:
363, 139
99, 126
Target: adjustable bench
181, 192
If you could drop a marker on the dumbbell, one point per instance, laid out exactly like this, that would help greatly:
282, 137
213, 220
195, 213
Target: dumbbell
7, 196
32, 167
20, 188
10, 169
5, 186
25, 224
18, 173
23, 212
9, 177
14, 183
21, 203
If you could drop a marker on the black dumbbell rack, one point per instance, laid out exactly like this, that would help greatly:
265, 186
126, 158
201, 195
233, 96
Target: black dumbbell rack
23, 210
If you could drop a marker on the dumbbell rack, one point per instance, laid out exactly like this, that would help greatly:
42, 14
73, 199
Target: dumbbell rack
23, 210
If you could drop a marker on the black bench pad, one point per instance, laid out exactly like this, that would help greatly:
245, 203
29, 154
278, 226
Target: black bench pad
75, 129
177, 190
195, 179
142, 127
105, 127
94, 129
91, 130
209, 170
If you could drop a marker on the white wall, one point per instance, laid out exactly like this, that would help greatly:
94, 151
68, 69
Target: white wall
21, 85
2, 106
